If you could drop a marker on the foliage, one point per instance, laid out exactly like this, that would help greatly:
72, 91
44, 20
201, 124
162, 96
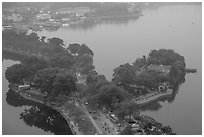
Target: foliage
85, 64
169, 57
44, 79
62, 61
26, 70
21, 41
123, 110
56, 41
80, 50
127, 74
73, 48
124, 74
55, 81
139, 62
110, 96
52, 50
93, 77
64, 83
84, 49
33, 64
15, 74
33, 36
149, 80
31, 43
164, 57
84, 57
94, 83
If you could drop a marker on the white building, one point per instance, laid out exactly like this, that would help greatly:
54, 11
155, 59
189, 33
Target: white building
43, 16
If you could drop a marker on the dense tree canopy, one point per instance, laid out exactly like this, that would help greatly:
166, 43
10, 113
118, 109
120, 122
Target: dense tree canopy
44, 79
55, 81
21, 41
80, 50
64, 83
110, 96
15, 74
94, 77
84, 64
56, 41
130, 74
124, 74
94, 83
33, 36
169, 57
84, 49
139, 62
73, 48
26, 70
62, 61
164, 57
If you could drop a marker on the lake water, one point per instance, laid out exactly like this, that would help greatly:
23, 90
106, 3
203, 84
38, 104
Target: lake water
170, 27
177, 27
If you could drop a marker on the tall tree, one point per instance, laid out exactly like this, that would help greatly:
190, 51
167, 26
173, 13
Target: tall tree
56, 41
45, 78
64, 83
124, 74
73, 48
110, 96
15, 74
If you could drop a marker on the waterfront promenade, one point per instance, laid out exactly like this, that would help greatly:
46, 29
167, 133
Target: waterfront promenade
151, 97
29, 96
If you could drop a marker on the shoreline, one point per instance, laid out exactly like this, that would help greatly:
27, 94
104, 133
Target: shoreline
73, 128
152, 97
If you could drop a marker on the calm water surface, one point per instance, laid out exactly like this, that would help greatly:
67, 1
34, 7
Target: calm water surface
171, 27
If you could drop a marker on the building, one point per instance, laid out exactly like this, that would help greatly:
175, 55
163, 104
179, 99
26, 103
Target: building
13, 17
164, 86
23, 87
43, 16
163, 69
6, 27
77, 11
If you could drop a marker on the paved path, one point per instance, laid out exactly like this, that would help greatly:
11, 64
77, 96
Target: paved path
91, 118
112, 127
151, 97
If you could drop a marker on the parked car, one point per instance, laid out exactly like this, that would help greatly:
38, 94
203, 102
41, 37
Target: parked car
94, 117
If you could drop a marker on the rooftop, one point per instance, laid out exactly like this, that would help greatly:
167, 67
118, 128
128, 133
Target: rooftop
159, 68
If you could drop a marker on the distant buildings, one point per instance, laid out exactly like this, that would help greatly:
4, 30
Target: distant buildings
77, 11
13, 17
43, 16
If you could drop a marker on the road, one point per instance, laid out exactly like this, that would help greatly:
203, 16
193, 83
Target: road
110, 124
111, 128
83, 107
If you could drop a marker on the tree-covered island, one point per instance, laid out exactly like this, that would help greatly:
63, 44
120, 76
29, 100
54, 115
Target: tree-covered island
65, 79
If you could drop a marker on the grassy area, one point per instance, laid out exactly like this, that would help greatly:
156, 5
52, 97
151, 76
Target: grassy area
80, 117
